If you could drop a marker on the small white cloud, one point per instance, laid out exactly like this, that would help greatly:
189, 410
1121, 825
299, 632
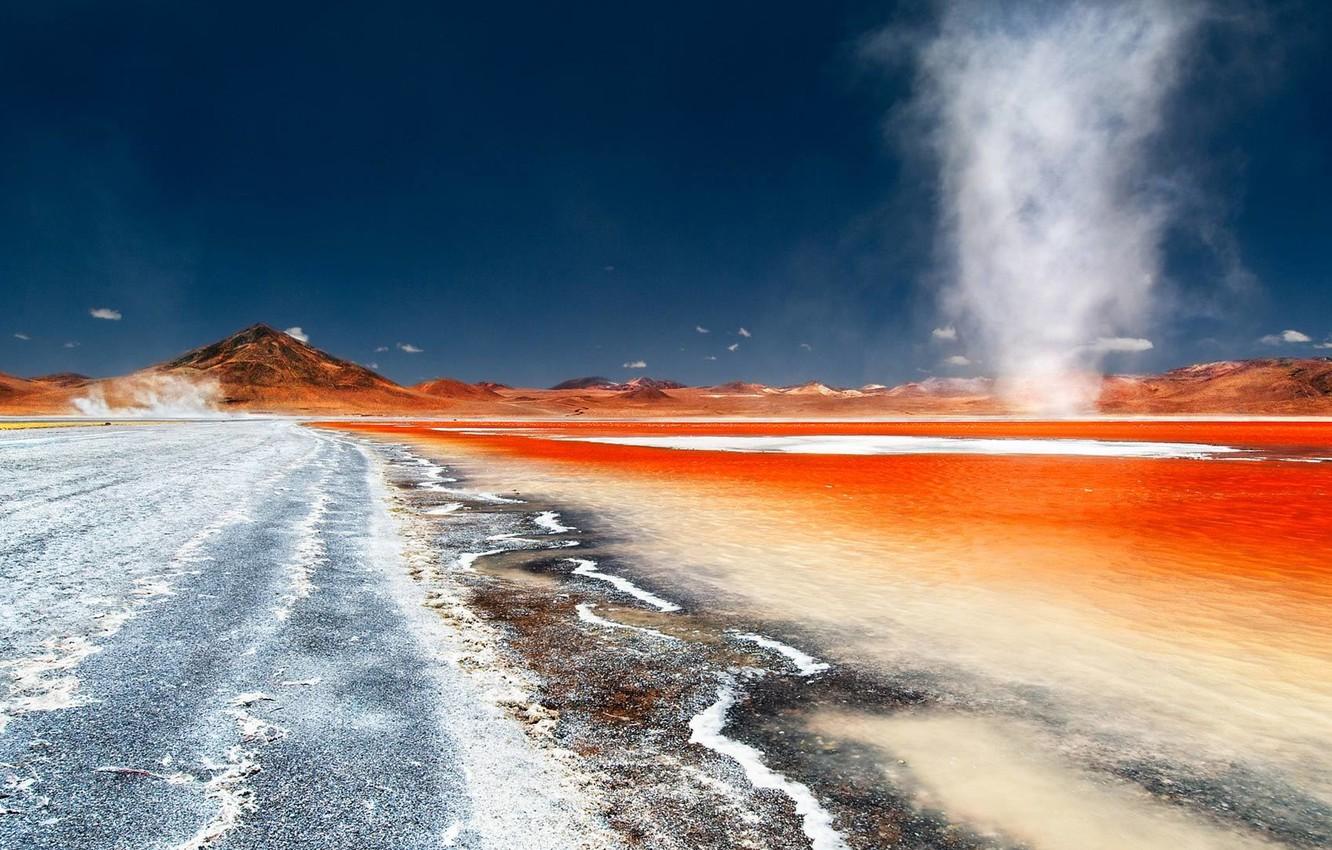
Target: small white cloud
714, 357
702, 329
1324, 344
957, 360
409, 348
372, 365
806, 346
381, 348
733, 346
744, 332
946, 332
1121, 343
608, 268
635, 364
1285, 336
105, 313
22, 336
71, 345
297, 333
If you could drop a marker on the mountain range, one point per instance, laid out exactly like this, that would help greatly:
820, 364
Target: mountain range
260, 369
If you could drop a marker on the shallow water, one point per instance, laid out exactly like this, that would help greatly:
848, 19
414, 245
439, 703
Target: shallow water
1113, 651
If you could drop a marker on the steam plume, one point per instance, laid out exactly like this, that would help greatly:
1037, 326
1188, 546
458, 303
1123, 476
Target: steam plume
150, 396
1042, 117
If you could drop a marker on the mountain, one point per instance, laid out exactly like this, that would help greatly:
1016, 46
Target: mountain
651, 383
597, 382
594, 382
1273, 386
450, 388
12, 386
940, 388
644, 392
263, 368
810, 388
741, 388
22, 396
64, 379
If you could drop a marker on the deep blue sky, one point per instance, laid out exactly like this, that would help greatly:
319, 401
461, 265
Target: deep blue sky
533, 192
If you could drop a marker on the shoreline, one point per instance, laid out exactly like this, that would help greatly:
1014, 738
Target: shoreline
620, 696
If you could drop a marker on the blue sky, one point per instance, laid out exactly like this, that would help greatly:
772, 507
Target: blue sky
529, 193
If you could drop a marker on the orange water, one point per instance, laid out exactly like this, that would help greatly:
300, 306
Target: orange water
1180, 608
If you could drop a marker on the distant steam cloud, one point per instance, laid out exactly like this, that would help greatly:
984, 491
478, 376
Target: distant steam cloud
409, 348
635, 364
1041, 119
297, 333
1286, 336
22, 336
947, 332
1120, 343
744, 332
105, 313
151, 396
957, 360
702, 329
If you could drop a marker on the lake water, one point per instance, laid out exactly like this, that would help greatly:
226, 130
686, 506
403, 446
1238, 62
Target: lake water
1120, 633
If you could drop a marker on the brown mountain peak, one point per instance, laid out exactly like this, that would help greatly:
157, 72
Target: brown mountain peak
260, 356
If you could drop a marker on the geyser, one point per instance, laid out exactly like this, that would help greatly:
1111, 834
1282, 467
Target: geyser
1041, 121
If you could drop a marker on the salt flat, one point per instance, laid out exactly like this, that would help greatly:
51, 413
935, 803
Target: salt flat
208, 641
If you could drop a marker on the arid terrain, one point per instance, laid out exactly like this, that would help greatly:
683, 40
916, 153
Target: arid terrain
260, 369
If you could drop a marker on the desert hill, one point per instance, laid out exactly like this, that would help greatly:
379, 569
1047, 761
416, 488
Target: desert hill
64, 379
454, 389
1272, 386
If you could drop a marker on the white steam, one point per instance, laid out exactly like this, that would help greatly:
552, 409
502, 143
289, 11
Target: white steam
151, 396
1042, 118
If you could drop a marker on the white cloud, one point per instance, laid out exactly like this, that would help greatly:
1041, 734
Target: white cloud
806, 346
957, 360
1324, 344
71, 345
744, 332
409, 348
635, 364
702, 329
1285, 336
714, 357
608, 268
105, 313
372, 365
381, 348
1120, 343
733, 346
22, 336
297, 333
946, 332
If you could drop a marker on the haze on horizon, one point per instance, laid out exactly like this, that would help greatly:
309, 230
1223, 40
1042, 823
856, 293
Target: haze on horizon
862, 194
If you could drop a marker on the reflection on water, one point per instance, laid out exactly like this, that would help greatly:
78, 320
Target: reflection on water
1119, 652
